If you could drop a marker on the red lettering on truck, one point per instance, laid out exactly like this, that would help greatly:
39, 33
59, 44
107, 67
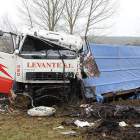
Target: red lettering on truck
48, 65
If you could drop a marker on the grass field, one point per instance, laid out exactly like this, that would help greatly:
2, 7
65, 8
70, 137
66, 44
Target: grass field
18, 127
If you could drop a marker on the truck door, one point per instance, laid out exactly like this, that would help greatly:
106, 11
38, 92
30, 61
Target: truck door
7, 62
89, 65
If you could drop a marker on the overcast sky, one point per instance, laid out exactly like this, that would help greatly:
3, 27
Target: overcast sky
125, 23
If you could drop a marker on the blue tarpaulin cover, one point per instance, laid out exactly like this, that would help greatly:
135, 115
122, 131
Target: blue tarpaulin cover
119, 67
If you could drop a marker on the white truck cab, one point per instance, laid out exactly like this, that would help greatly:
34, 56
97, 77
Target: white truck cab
42, 60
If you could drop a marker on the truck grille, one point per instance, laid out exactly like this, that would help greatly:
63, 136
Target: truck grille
42, 76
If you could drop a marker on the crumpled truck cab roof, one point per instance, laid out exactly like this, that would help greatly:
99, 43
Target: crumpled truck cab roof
68, 41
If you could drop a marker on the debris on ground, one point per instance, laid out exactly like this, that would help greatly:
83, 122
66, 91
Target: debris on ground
122, 124
2, 110
41, 111
104, 135
81, 123
58, 127
7, 108
137, 125
39, 119
103, 121
67, 132
67, 124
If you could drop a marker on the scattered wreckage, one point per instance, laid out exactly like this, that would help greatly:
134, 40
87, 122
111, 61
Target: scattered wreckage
37, 61
41, 111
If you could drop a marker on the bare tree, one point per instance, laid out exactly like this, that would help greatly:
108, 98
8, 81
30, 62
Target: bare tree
7, 24
24, 8
42, 13
99, 10
78, 15
74, 10
48, 12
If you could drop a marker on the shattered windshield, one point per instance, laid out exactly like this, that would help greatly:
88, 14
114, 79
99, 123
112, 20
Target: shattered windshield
35, 48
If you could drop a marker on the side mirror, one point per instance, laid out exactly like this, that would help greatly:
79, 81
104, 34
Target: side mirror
1, 33
16, 51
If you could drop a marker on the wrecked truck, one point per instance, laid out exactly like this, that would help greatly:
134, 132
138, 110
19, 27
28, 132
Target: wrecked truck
37, 61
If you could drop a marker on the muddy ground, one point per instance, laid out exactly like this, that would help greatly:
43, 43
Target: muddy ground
106, 117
